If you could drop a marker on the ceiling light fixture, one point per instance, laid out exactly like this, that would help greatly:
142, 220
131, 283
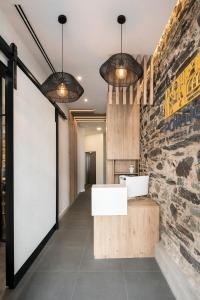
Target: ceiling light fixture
60, 86
79, 78
99, 128
121, 69
86, 100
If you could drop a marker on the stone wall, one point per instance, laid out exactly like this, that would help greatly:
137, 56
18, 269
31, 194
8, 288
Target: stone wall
170, 149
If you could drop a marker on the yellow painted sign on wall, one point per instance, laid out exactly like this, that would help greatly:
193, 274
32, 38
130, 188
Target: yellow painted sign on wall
184, 89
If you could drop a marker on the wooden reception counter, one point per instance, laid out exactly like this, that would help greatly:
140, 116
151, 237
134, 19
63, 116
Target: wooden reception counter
133, 235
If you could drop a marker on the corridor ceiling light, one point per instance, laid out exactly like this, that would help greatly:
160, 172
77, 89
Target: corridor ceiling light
79, 78
121, 69
82, 110
99, 128
90, 120
60, 86
86, 100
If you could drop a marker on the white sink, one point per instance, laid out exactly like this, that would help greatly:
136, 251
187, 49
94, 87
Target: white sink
136, 185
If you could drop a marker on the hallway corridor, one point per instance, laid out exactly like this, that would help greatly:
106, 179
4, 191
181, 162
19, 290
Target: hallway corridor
66, 270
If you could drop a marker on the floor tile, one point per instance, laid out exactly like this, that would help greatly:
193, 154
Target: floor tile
66, 268
2, 265
100, 286
66, 238
73, 224
89, 263
49, 286
147, 286
140, 264
61, 259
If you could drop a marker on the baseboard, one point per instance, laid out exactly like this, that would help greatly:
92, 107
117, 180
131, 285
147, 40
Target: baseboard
18, 276
177, 281
61, 215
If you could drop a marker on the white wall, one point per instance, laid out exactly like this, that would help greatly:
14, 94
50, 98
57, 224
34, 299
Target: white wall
64, 200
34, 168
95, 143
10, 34
81, 159
34, 144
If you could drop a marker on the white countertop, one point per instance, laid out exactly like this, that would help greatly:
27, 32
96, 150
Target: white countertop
108, 186
109, 200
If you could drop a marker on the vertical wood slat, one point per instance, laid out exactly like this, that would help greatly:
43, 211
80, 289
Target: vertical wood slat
117, 95
145, 80
110, 92
124, 95
138, 92
138, 88
151, 92
73, 156
131, 95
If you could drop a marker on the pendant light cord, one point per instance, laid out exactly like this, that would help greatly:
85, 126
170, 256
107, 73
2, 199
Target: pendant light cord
121, 42
121, 38
62, 50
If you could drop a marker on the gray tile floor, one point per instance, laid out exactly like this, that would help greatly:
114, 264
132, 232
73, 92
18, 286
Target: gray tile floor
2, 268
66, 269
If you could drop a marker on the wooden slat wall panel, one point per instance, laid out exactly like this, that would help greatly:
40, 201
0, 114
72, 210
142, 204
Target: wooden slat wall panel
110, 91
117, 95
109, 171
73, 157
151, 96
145, 80
138, 92
124, 95
123, 125
131, 95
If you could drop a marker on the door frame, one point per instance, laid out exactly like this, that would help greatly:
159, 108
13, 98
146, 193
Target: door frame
86, 175
3, 71
9, 73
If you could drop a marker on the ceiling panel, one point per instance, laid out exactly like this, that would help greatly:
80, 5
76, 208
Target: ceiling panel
90, 36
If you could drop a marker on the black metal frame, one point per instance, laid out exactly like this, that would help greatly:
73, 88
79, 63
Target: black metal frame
34, 36
1, 98
9, 93
10, 74
3, 71
57, 168
6, 50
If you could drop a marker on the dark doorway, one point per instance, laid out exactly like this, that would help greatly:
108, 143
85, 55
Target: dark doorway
90, 160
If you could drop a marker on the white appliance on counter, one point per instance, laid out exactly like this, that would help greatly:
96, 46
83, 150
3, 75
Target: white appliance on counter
136, 185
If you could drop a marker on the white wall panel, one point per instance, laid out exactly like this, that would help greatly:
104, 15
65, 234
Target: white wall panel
34, 168
64, 200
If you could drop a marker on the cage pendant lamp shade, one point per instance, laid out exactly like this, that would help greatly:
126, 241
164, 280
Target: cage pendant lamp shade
62, 87
121, 69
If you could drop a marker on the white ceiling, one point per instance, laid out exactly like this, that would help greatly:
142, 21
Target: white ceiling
91, 35
91, 128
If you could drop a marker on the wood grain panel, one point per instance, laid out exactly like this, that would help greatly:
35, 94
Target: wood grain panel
123, 122
134, 235
73, 157
110, 171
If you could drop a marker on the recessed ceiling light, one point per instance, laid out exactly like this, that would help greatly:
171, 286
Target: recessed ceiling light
79, 78
86, 100
99, 128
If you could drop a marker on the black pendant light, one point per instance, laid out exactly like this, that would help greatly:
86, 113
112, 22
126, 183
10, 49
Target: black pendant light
60, 86
121, 69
